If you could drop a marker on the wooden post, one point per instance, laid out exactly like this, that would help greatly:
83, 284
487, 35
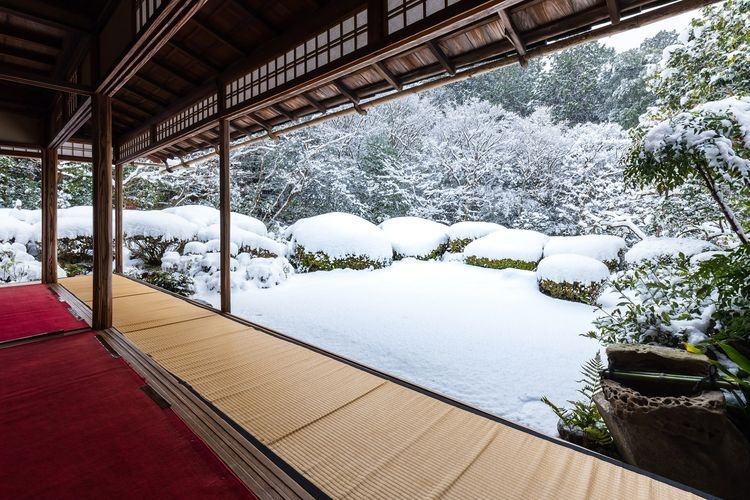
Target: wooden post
49, 216
101, 118
224, 216
118, 218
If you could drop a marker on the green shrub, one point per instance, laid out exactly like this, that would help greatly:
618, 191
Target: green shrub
434, 255
74, 269
501, 263
319, 261
575, 291
78, 250
150, 249
458, 245
174, 282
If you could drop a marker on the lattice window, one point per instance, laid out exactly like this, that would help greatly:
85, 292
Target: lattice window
21, 150
189, 116
402, 13
76, 150
339, 40
144, 10
133, 145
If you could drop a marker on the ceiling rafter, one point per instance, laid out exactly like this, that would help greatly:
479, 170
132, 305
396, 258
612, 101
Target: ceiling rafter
218, 36
279, 109
183, 49
387, 75
257, 18
446, 63
614, 11
512, 34
313, 102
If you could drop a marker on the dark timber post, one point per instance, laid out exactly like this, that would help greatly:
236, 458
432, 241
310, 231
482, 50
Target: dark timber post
49, 216
118, 218
101, 118
224, 215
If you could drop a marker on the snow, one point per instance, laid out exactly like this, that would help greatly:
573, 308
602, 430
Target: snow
195, 248
339, 235
654, 248
571, 268
70, 227
207, 216
472, 333
517, 244
414, 236
156, 223
14, 229
472, 230
215, 246
602, 247
268, 272
243, 239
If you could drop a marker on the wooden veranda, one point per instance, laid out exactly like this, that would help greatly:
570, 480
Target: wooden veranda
167, 82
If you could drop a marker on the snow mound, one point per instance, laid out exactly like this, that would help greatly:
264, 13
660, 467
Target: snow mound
704, 256
603, 247
472, 230
14, 229
521, 245
572, 268
17, 266
68, 227
245, 240
268, 272
416, 237
654, 249
195, 248
339, 236
215, 246
156, 223
208, 216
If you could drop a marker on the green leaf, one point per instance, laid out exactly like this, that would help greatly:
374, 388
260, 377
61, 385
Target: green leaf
735, 356
692, 348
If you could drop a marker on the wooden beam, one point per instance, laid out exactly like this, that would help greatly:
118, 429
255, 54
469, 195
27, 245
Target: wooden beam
346, 91
44, 82
313, 102
512, 34
614, 11
102, 202
256, 17
446, 63
224, 217
217, 36
200, 59
387, 75
49, 216
260, 122
53, 15
119, 241
278, 108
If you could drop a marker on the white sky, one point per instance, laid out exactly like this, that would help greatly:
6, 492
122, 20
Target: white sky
633, 38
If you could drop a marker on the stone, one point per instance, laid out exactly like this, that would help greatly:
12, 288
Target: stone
659, 359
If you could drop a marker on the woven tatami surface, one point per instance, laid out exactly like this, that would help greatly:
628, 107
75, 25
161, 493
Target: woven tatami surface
352, 433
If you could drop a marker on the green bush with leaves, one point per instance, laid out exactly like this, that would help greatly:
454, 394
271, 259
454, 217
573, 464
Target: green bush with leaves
575, 291
583, 417
151, 249
501, 263
76, 255
307, 262
178, 283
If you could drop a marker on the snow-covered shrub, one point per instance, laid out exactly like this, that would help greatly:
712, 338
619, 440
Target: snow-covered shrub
211, 263
75, 240
461, 234
13, 230
17, 266
195, 248
266, 273
215, 246
415, 237
337, 240
246, 241
602, 247
149, 234
666, 250
571, 276
208, 216
172, 281
507, 248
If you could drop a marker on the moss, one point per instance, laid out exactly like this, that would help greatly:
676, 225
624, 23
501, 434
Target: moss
319, 261
575, 291
434, 255
458, 245
501, 263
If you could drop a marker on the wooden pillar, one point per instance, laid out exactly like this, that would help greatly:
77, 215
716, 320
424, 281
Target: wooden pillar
49, 216
101, 119
118, 218
224, 216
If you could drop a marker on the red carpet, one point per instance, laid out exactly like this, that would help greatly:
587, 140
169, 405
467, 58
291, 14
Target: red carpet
31, 310
74, 424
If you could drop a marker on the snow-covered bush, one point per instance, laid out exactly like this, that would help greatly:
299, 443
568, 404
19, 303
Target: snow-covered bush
13, 230
602, 247
17, 266
266, 273
461, 234
571, 276
174, 282
150, 233
337, 240
415, 237
208, 216
246, 241
507, 248
666, 250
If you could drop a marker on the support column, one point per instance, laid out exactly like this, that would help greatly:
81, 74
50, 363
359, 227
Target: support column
224, 216
101, 118
49, 216
118, 218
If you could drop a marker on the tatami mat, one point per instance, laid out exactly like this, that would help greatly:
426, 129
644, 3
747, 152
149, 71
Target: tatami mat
351, 433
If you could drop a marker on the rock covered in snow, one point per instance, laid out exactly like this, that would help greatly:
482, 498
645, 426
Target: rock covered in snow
516, 248
657, 249
416, 237
461, 234
571, 277
17, 266
338, 240
602, 247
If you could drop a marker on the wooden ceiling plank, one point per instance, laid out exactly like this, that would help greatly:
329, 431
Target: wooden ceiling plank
157, 85
313, 102
175, 72
346, 91
146, 97
216, 35
47, 15
446, 63
387, 75
257, 17
279, 109
202, 59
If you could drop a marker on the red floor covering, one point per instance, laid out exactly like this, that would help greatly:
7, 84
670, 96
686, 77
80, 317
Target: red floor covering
75, 424
31, 310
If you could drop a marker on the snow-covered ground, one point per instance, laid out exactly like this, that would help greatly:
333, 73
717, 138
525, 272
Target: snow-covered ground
487, 337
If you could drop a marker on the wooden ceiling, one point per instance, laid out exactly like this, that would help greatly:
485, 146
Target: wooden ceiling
265, 63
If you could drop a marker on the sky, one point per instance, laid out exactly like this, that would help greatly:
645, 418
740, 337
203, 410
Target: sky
633, 38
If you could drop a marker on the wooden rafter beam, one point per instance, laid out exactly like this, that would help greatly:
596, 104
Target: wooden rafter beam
446, 63
46, 14
156, 84
174, 72
146, 97
614, 11
185, 50
256, 17
313, 102
260, 122
216, 35
283, 112
511, 33
387, 75
44, 82
346, 91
